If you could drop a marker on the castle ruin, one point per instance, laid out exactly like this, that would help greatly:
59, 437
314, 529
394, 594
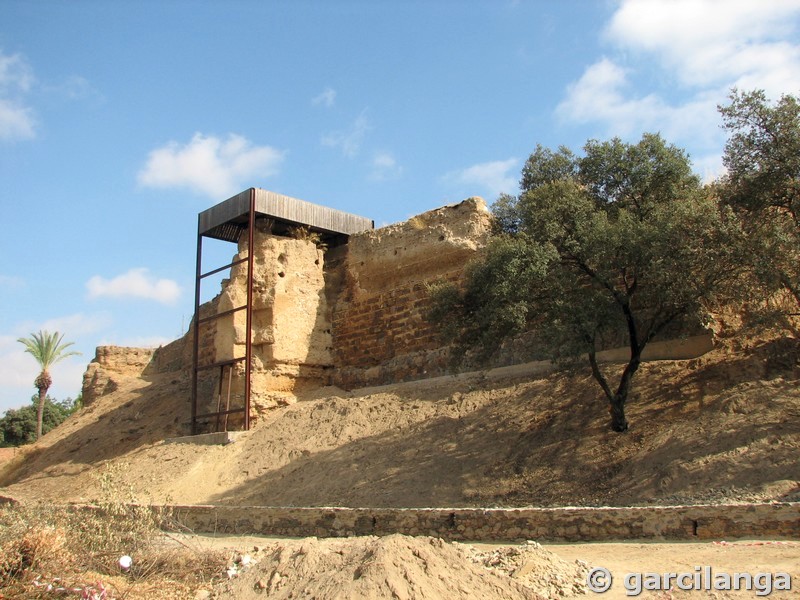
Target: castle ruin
319, 306
322, 299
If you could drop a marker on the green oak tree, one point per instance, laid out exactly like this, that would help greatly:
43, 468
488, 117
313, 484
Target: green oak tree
762, 157
614, 246
18, 426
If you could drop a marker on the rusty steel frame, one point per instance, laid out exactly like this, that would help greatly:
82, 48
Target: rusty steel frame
226, 222
196, 367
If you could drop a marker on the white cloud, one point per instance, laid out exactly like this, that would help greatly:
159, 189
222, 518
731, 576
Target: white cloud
603, 94
17, 369
715, 42
135, 283
349, 141
698, 50
385, 167
709, 167
76, 324
326, 98
495, 177
17, 121
76, 88
598, 96
209, 165
73, 326
15, 73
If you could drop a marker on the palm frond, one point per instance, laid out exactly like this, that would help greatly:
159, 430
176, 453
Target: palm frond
47, 348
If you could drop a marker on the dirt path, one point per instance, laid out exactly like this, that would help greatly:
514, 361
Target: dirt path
741, 556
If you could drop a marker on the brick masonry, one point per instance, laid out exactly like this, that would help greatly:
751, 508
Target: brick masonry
380, 330
386, 337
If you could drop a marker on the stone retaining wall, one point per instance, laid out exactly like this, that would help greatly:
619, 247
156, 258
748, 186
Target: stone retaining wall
707, 522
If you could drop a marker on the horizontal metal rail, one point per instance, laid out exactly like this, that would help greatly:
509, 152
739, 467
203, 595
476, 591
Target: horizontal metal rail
221, 363
224, 412
224, 313
223, 267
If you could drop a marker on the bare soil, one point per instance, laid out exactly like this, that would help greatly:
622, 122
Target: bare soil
427, 568
7, 454
721, 428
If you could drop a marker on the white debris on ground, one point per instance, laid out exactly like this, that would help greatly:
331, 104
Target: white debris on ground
535, 567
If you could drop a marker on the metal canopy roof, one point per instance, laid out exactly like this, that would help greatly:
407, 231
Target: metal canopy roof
228, 219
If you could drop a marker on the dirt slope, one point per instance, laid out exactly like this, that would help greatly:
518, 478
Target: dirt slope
720, 428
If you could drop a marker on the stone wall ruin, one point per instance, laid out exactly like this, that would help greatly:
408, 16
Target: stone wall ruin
291, 333
351, 315
380, 333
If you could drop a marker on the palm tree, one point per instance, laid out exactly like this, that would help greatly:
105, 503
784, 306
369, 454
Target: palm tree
47, 349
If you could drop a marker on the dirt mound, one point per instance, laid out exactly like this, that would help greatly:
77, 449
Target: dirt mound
536, 568
396, 566
721, 428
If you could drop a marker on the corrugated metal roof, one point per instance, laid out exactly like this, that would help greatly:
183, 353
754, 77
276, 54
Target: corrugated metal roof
227, 219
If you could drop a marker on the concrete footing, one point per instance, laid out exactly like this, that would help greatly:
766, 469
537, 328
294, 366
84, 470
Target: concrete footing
207, 439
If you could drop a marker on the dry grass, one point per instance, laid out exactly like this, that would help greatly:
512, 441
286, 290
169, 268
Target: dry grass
303, 232
49, 551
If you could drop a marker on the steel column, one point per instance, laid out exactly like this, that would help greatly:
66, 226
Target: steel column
196, 327
249, 339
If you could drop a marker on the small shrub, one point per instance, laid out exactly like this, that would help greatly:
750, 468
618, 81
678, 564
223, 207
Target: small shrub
303, 232
46, 548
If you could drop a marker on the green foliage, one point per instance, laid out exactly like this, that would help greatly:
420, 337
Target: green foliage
619, 244
496, 302
18, 426
47, 348
762, 156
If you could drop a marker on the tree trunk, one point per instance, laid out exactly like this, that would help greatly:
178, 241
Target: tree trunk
42, 383
618, 421
616, 402
40, 412
617, 409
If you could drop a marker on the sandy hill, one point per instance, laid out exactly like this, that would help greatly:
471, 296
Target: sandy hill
719, 428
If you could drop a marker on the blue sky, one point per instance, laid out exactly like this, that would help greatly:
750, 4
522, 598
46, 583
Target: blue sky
120, 121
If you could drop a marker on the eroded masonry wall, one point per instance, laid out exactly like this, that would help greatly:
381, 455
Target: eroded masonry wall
353, 315
291, 330
113, 365
380, 333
